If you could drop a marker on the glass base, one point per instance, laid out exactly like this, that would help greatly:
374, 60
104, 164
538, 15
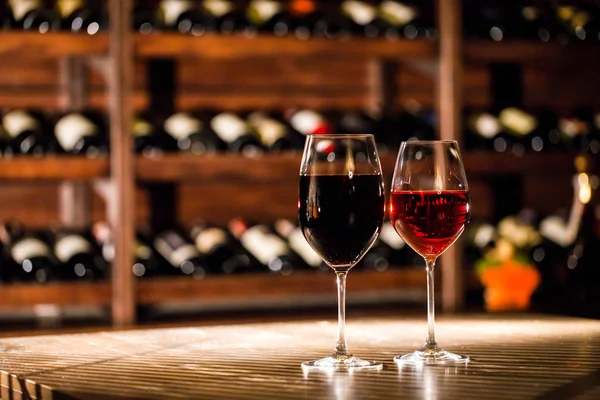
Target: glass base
432, 357
341, 363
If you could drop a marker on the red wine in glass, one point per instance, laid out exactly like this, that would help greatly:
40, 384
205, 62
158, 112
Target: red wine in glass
341, 215
429, 221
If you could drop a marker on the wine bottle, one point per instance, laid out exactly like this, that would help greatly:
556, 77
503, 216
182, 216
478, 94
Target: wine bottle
295, 238
401, 254
268, 16
191, 135
330, 22
397, 15
481, 130
546, 136
26, 133
181, 253
309, 122
575, 131
146, 262
518, 126
144, 20
585, 25
79, 133
303, 14
80, 16
32, 15
567, 243
147, 139
79, 258
185, 17
29, 257
220, 251
275, 135
269, 249
237, 134
229, 17
480, 238
364, 15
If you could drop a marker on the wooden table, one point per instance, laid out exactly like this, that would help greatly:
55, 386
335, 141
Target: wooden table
513, 357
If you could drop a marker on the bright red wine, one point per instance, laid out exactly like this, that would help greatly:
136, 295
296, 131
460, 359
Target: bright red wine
430, 221
341, 215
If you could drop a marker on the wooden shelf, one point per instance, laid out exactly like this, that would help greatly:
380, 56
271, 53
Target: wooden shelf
265, 286
60, 294
526, 51
496, 164
53, 168
235, 47
277, 168
52, 44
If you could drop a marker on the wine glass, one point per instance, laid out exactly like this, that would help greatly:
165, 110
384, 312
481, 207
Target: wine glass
341, 206
429, 207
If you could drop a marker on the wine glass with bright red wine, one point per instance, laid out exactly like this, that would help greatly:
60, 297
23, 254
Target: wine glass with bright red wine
429, 207
341, 206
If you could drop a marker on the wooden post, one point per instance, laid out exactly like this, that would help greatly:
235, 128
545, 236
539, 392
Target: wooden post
450, 111
120, 210
74, 197
382, 87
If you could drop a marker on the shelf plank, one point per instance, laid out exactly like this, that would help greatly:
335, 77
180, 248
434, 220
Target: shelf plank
485, 163
236, 47
184, 167
60, 294
526, 51
52, 44
278, 168
53, 168
266, 286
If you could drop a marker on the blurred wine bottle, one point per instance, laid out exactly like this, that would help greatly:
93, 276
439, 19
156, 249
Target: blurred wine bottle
308, 122
399, 17
33, 15
191, 135
81, 16
181, 253
268, 16
481, 130
480, 237
303, 14
146, 261
144, 19
275, 135
237, 134
221, 252
147, 139
82, 133
183, 16
28, 255
26, 133
230, 17
79, 258
267, 247
568, 244
295, 238
517, 126
330, 22
366, 21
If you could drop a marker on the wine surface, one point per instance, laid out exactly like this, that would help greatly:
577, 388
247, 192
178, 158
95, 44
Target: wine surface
341, 215
430, 221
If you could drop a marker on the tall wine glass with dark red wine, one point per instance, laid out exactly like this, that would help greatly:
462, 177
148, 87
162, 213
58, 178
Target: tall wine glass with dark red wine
341, 206
429, 207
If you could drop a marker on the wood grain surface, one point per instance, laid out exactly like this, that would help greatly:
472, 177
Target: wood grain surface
512, 357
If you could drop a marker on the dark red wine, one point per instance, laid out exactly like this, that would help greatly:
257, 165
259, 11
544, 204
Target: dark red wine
430, 221
341, 215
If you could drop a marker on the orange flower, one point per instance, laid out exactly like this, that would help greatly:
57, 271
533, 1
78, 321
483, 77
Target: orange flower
509, 285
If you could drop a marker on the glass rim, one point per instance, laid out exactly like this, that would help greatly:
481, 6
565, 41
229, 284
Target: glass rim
340, 135
429, 142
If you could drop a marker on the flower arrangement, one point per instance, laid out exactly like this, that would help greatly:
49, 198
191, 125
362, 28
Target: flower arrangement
506, 270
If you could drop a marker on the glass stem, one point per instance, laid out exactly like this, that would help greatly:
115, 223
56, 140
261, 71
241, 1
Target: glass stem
341, 349
430, 343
